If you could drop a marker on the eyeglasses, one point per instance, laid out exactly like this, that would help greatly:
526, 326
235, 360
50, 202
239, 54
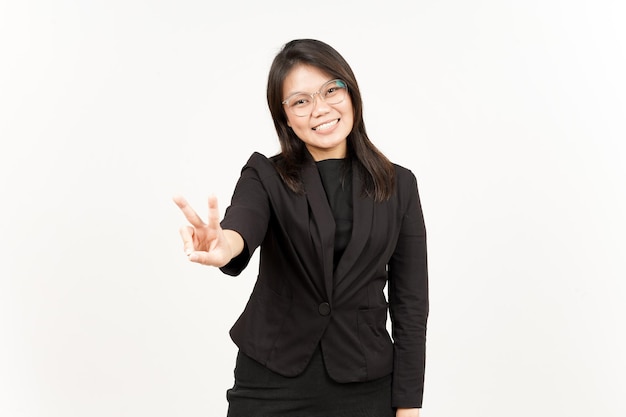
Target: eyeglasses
301, 104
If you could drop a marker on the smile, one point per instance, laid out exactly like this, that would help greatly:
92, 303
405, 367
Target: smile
326, 125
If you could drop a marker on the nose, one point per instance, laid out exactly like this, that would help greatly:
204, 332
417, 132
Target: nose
320, 107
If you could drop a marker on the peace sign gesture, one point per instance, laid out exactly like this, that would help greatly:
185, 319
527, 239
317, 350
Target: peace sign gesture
207, 243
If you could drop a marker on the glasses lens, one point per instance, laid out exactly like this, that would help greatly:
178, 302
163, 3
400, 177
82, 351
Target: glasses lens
334, 92
300, 104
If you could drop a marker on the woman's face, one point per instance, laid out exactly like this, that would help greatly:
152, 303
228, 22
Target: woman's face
326, 129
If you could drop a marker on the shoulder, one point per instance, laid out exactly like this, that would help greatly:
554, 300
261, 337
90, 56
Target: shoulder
404, 177
260, 164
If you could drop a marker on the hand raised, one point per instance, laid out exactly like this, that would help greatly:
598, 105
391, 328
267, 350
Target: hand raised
204, 243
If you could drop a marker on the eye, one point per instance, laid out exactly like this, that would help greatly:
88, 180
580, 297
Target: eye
299, 101
333, 90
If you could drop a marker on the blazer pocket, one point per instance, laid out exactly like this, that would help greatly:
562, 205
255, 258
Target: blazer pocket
258, 327
375, 341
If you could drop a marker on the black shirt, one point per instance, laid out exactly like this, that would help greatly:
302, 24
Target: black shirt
336, 175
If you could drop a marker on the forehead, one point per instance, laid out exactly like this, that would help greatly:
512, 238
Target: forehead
304, 78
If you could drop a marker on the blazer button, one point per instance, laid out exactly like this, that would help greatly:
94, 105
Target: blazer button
324, 309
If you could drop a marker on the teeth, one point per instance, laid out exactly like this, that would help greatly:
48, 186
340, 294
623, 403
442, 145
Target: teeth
326, 125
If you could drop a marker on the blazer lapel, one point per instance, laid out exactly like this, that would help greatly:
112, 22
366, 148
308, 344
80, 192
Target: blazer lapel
324, 222
362, 215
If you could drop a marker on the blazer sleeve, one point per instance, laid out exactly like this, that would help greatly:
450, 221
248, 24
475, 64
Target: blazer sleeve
408, 302
249, 212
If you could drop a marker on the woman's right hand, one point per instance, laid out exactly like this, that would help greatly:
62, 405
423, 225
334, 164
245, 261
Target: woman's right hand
207, 243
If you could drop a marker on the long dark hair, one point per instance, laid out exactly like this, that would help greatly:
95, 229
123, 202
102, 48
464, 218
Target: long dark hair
376, 170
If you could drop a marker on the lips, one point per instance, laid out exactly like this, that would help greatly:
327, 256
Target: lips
326, 125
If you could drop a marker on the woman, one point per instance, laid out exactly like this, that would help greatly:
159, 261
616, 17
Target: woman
335, 222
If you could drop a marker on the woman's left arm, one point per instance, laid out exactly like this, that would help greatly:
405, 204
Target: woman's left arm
408, 301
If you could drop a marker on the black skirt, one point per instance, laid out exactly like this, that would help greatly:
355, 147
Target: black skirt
259, 392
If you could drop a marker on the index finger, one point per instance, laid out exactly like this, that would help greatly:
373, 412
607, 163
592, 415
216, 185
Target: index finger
189, 213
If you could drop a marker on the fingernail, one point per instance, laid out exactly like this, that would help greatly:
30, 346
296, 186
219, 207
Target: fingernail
193, 257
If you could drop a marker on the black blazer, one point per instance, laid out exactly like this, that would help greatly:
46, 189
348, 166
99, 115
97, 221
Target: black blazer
299, 301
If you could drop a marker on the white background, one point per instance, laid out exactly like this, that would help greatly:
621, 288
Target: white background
510, 113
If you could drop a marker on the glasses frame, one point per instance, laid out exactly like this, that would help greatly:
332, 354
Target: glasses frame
312, 95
